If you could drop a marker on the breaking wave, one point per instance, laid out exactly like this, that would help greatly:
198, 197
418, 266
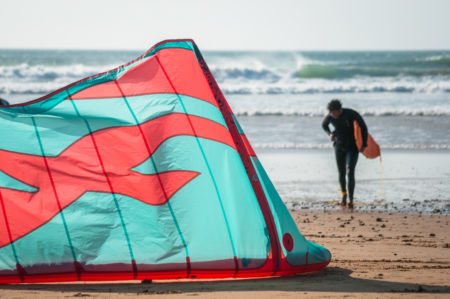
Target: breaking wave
360, 85
41, 79
38, 72
28, 72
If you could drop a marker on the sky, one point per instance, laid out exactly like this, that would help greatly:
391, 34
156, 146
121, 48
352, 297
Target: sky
227, 25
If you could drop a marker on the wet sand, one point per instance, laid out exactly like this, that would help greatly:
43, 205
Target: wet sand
374, 255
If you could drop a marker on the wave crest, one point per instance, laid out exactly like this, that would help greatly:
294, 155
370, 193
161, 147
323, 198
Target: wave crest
25, 71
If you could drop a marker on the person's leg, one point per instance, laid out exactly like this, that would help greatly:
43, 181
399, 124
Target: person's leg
352, 159
340, 162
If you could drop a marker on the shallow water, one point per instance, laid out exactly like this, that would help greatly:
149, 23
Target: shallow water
409, 180
396, 121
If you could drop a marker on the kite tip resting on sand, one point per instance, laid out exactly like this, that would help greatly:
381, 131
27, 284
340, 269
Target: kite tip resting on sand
142, 172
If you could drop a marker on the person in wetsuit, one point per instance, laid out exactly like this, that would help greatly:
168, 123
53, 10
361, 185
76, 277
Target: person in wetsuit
345, 150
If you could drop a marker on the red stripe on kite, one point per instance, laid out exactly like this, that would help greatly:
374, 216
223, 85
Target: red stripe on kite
76, 170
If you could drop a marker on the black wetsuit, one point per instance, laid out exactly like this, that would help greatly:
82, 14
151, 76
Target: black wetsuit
345, 146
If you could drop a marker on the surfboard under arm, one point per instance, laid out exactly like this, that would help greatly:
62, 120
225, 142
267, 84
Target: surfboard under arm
373, 149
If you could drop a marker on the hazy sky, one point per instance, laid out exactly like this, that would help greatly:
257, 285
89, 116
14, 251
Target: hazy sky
229, 24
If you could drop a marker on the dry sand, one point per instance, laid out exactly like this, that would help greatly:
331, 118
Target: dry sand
375, 255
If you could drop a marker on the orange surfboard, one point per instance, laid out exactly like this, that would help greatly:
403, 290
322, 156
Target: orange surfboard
372, 150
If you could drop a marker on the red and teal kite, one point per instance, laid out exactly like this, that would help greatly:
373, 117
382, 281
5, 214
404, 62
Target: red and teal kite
142, 172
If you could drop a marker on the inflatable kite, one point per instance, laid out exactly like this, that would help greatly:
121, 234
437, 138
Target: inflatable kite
142, 172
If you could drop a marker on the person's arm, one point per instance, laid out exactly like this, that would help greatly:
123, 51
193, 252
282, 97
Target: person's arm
363, 127
325, 124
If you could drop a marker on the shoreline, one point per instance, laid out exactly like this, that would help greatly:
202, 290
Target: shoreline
363, 208
407, 181
374, 254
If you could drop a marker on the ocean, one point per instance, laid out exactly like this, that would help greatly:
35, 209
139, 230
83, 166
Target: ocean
280, 100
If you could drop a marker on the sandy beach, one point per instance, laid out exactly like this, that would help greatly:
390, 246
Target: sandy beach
374, 255
160, 139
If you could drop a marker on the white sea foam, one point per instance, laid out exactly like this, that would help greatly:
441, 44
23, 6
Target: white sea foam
41, 79
319, 112
28, 85
28, 72
437, 58
355, 85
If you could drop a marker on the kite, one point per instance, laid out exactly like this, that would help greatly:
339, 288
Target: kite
141, 172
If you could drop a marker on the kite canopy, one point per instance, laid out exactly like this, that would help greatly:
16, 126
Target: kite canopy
142, 172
